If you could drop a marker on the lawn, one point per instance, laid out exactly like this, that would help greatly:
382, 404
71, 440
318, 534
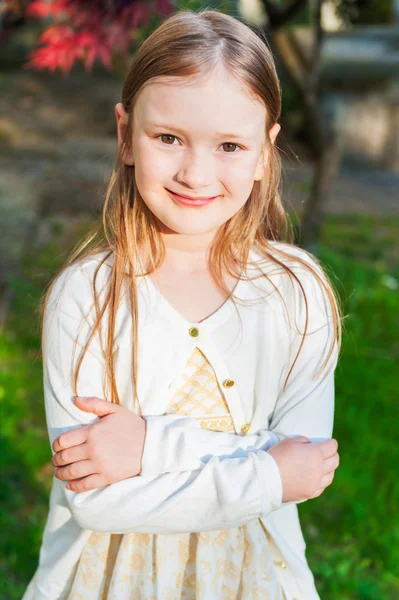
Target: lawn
352, 530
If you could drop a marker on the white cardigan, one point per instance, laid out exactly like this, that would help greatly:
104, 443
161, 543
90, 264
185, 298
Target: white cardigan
192, 479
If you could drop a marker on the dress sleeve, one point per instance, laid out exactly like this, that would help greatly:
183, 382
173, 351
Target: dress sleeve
176, 443
223, 494
305, 407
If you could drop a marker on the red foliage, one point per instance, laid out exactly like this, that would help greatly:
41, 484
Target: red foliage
86, 30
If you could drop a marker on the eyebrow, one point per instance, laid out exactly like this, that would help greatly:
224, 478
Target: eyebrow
217, 134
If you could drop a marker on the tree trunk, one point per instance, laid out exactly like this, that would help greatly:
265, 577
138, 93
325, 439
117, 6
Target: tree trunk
325, 171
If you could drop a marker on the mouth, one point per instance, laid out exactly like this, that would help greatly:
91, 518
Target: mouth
191, 201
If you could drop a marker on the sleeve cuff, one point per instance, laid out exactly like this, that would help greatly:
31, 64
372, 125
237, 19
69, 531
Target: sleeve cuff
151, 463
270, 481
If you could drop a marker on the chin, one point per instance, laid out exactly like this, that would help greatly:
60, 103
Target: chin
191, 231
186, 226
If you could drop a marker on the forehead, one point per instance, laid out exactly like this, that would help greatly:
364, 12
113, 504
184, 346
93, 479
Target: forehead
216, 102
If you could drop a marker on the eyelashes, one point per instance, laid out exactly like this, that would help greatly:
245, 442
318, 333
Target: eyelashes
175, 137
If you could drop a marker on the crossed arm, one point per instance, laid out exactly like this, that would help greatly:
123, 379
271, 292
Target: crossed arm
187, 472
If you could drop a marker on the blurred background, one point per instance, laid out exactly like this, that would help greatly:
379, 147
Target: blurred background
62, 65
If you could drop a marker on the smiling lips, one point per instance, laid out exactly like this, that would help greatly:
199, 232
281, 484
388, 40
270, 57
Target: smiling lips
187, 201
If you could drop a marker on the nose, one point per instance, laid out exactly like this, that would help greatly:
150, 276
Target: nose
197, 171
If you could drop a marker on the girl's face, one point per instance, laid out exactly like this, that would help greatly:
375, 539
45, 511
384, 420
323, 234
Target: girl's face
204, 139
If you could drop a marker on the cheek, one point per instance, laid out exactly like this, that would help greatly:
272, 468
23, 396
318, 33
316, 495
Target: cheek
240, 179
151, 165
239, 169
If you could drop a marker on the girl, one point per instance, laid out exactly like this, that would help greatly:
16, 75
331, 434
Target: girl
205, 344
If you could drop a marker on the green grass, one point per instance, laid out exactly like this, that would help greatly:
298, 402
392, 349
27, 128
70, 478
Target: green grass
354, 551
352, 530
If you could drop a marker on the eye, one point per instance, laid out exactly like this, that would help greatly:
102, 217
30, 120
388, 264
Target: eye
231, 144
167, 135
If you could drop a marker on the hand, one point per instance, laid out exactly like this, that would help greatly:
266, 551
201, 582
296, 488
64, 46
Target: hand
306, 468
103, 452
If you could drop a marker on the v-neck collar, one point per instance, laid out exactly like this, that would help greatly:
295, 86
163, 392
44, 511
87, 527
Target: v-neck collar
219, 316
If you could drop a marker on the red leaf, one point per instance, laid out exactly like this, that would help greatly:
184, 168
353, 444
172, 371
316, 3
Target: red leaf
42, 10
60, 55
95, 45
39, 9
56, 33
90, 58
91, 31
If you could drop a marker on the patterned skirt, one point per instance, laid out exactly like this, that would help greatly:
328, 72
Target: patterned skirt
230, 564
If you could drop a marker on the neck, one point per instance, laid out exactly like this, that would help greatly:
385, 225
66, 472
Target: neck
186, 252
182, 256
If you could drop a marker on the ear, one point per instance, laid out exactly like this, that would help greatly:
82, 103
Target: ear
274, 131
264, 156
121, 123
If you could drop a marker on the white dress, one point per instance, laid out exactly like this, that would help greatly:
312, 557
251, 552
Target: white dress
231, 564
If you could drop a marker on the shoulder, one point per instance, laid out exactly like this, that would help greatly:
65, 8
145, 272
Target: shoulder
74, 285
305, 287
288, 254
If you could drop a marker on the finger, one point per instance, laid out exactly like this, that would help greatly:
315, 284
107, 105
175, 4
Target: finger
74, 437
328, 447
327, 479
87, 483
96, 405
75, 470
70, 455
331, 463
318, 492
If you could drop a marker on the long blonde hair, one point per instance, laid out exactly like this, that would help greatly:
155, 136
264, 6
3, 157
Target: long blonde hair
188, 44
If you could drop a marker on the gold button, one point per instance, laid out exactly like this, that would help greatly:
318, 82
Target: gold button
245, 428
193, 331
228, 383
281, 564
